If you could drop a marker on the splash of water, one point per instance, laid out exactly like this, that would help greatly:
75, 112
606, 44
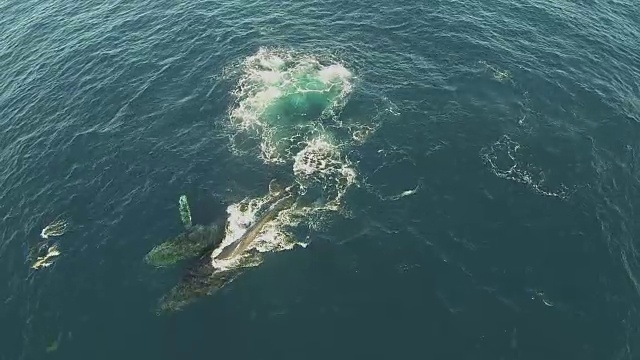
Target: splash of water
56, 228
241, 216
48, 259
282, 96
284, 100
321, 163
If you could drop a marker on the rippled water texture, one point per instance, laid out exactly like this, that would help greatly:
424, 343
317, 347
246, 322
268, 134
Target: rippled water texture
482, 156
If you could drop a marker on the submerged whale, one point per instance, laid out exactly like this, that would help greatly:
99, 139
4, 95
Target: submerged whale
204, 278
197, 239
185, 246
189, 244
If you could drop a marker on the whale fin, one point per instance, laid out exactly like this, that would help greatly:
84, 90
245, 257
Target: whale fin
185, 212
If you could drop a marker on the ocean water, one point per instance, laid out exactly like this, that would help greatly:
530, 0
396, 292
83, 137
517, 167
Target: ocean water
474, 170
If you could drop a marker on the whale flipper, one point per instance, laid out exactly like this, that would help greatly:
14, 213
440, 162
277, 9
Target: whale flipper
185, 211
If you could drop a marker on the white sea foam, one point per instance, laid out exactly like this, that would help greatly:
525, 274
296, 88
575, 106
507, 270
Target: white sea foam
321, 162
505, 161
282, 95
285, 101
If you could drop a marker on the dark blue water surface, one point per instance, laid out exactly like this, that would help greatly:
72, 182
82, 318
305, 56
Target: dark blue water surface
518, 122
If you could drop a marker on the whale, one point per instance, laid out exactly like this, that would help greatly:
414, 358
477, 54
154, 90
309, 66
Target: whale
239, 246
204, 278
187, 245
